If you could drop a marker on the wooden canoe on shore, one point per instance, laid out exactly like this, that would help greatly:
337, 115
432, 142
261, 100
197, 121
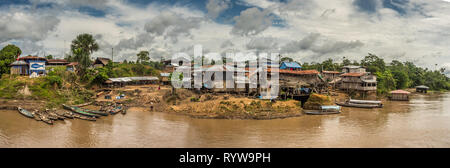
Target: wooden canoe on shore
24, 112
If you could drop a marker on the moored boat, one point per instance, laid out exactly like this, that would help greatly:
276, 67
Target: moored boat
364, 101
347, 104
84, 117
116, 110
325, 110
95, 112
24, 112
80, 111
45, 118
124, 111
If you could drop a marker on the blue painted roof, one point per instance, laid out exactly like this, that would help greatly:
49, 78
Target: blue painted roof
291, 65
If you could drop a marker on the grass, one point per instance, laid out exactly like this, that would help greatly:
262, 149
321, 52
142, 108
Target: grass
47, 88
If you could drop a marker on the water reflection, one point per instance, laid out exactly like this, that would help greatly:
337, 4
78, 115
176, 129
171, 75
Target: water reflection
422, 122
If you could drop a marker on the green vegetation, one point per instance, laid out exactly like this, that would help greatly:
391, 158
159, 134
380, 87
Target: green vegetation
7, 56
61, 86
396, 75
82, 47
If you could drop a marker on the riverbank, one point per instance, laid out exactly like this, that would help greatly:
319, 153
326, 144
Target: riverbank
157, 98
396, 125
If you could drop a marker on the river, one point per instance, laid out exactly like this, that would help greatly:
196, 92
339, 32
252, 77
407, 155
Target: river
422, 122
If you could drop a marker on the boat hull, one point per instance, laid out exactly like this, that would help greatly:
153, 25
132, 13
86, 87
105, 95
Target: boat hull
80, 111
26, 113
321, 113
370, 106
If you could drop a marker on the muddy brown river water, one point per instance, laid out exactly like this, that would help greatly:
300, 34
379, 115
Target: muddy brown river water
422, 122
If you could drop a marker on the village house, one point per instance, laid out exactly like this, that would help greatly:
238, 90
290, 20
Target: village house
19, 68
330, 76
355, 78
293, 66
101, 62
28, 65
56, 62
399, 95
299, 83
422, 89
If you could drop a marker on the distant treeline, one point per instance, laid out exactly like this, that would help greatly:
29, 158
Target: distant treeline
396, 75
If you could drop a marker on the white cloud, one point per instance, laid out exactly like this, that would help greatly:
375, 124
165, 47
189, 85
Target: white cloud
17, 25
252, 21
215, 7
313, 30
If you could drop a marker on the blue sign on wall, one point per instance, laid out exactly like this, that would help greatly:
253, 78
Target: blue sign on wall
36, 66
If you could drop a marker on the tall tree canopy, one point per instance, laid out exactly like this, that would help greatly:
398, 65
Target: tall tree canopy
373, 63
86, 42
82, 47
143, 56
8, 55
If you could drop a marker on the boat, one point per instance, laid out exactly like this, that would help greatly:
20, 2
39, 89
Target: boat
84, 117
364, 101
36, 116
80, 111
116, 110
24, 112
68, 115
325, 110
124, 111
45, 119
347, 104
95, 112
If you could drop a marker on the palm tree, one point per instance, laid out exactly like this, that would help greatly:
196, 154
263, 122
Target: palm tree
86, 42
82, 47
143, 56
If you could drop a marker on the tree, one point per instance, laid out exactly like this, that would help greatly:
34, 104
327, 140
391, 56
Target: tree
82, 48
373, 63
49, 57
286, 59
386, 82
346, 62
7, 56
143, 56
86, 42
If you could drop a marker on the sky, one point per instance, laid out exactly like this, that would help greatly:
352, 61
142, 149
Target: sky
305, 30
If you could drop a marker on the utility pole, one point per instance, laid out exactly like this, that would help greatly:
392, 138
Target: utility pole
112, 55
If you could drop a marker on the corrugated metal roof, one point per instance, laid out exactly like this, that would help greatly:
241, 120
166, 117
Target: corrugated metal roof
19, 63
330, 72
291, 65
353, 74
352, 66
129, 79
399, 92
422, 87
165, 74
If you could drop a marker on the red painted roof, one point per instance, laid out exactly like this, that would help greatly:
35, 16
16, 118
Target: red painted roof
32, 58
304, 72
57, 61
353, 74
399, 92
